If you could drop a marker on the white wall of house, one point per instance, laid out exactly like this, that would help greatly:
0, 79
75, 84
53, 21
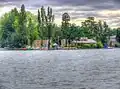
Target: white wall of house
112, 40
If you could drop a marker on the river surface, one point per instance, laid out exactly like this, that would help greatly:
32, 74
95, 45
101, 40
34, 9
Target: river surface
62, 69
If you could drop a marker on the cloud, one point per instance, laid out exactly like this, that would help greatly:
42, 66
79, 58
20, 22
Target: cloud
78, 10
76, 2
81, 2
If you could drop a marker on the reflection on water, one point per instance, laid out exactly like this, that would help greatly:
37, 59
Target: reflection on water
78, 69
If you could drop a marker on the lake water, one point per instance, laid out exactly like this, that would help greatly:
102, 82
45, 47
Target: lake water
77, 69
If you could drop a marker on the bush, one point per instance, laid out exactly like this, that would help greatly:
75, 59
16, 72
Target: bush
78, 47
117, 45
93, 45
99, 45
87, 46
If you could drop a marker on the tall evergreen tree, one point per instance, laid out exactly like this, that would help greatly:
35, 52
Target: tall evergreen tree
46, 21
32, 32
7, 29
23, 40
65, 26
118, 35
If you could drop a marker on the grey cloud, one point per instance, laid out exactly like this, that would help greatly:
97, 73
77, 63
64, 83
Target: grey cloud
36, 5
79, 2
102, 7
117, 1
73, 8
115, 24
115, 20
63, 9
84, 15
94, 4
76, 8
11, 2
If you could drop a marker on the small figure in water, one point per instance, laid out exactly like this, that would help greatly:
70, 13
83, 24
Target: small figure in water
55, 45
105, 45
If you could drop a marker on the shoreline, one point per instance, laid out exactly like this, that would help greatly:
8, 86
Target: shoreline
20, 49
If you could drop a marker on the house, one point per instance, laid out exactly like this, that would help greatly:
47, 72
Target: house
40, 43
63, 42
112, 41
84, 40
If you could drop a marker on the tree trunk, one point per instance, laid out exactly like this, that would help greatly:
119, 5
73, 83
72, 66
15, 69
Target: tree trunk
49, 44
49, 36
66, 42
41, 42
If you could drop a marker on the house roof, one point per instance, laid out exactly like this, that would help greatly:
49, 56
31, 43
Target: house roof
88, 41
113, 37
55, 44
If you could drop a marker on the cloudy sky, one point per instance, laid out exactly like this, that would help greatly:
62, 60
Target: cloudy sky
108, 10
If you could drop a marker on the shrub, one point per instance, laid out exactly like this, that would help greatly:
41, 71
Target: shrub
93, 45
117, 45
78, 47
99, 44
87, 46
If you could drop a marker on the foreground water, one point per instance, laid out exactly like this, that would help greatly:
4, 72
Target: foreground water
78, 69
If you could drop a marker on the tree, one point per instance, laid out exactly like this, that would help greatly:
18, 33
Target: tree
19, 29
65, 26
15, 27
32, 32
113, 32
91, 27
106, 33
23, 39
45, 22
118, 35
56, 34
7, 29
72, 33
96, 30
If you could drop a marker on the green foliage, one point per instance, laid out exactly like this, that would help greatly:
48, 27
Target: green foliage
90, 28
99, 45
17, 29
7, 31
32, 32
96, 30
113, 32
56, 34
117, 45
45, 23
87, 46
118, 35
93, 45
21, 28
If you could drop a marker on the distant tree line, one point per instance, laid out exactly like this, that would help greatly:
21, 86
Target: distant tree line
20, 28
